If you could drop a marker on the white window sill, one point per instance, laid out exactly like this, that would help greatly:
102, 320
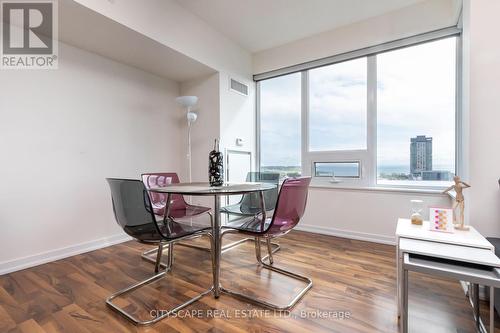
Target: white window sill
350, 187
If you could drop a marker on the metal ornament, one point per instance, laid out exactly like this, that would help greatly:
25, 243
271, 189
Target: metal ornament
215, 166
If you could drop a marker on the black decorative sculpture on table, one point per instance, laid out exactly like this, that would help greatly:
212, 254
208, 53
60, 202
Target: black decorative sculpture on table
215, 166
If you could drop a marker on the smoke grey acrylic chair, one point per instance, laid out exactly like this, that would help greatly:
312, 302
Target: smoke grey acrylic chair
134, 213
289, 210
250, 204
178, 208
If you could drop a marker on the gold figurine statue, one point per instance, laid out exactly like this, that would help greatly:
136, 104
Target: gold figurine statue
459, 201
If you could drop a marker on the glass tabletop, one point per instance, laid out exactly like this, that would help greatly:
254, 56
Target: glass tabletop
206, 189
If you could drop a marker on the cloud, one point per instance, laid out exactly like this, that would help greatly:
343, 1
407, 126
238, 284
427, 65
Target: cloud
415, 96
418, 98
337, 99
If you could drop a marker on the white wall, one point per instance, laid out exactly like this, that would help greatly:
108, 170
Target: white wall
168, 23
237, 117
207, 127
61, 133
362, 214
204, 131
483, 61
422, 17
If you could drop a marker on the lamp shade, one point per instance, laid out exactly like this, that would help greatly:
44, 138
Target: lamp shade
191, 116
187, 101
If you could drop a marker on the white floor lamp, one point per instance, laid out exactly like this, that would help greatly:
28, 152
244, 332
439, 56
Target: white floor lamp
189, 102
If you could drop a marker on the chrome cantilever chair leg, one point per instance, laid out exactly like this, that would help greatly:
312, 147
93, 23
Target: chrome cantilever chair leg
204, 248
227, 247
158, 275
260, 261
234, 244
158, 263
146, 255
158, 258
248, 239
269, 251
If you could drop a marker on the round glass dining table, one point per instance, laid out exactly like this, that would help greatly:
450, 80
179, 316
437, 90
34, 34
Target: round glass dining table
204, 189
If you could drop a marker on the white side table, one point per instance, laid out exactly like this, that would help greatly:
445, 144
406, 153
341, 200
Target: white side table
466, 242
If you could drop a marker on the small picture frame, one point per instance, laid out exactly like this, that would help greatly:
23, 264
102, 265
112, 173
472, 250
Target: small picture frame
441, 219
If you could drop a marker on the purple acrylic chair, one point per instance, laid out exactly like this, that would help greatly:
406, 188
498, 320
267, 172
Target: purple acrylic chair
289, 210
178, 209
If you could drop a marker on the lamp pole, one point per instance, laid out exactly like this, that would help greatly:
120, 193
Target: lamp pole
189, 144
188, 102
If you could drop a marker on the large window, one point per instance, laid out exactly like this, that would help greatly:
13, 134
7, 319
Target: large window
388, 118
416, 113
280, 125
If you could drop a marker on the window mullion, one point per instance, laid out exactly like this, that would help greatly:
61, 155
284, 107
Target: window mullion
371, 131
304, 122
257, 127
460, 168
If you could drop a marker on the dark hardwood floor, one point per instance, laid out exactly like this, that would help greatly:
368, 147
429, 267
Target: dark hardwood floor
354, 291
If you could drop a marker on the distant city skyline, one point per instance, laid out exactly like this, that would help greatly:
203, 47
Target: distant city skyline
420, 154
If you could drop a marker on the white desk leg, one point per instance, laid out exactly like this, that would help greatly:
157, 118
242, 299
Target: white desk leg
475, 305
403, 320
492, 309
399, 272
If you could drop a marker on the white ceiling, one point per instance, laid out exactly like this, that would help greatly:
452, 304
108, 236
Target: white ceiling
261, 24
83, 28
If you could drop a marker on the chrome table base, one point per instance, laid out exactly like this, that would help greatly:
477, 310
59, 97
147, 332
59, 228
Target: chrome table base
260, 261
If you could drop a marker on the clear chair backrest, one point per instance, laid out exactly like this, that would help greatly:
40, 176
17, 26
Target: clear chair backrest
131, 206
250, 203
291, 204
162, 179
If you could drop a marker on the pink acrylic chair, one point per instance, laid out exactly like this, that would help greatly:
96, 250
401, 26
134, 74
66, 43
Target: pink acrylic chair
289, 210
178, 209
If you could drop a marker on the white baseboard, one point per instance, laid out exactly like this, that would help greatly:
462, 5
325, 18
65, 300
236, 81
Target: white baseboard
375, 238
53, 255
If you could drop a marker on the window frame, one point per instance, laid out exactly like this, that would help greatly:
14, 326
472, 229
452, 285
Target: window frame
368, 157
314, 171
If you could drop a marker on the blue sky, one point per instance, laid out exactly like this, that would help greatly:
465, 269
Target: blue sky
416, 96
